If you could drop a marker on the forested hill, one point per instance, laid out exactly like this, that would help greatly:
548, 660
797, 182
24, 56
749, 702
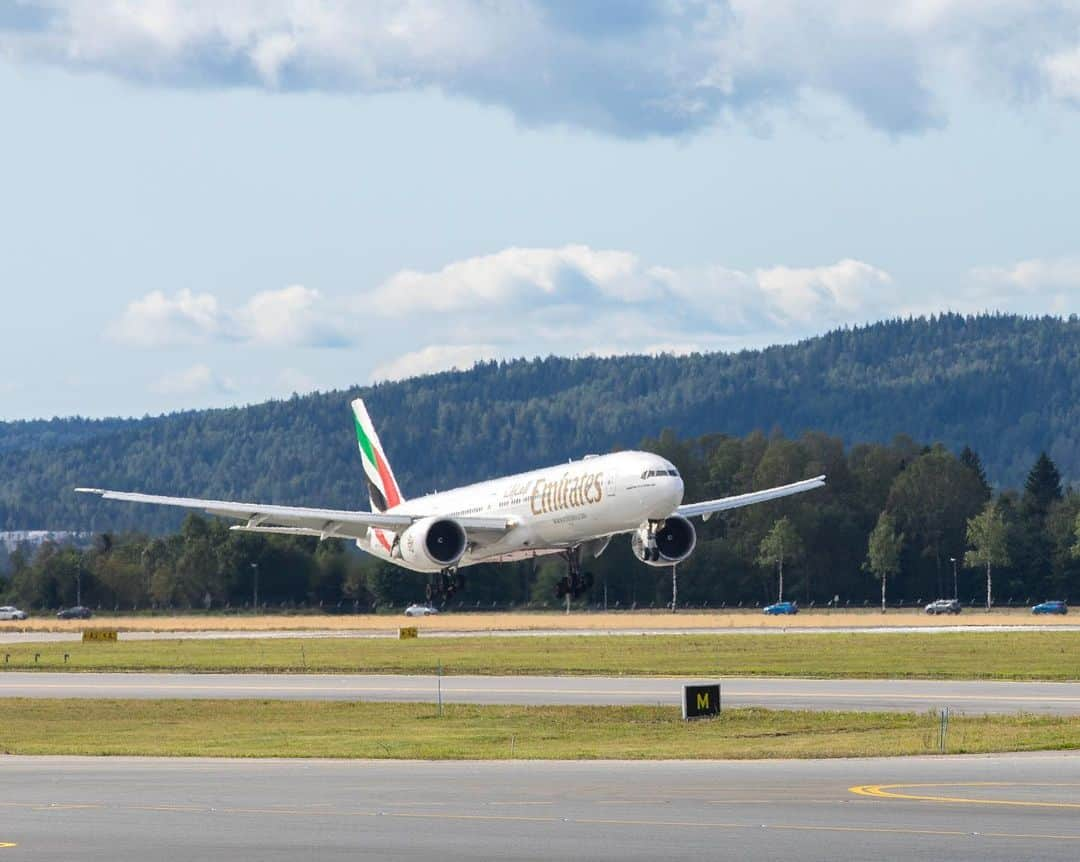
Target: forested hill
1007, 386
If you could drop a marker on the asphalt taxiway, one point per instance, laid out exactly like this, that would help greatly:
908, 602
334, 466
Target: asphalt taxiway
962, 808
824, 694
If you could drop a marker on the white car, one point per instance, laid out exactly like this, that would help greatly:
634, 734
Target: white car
7, 612
420, 611
943, 606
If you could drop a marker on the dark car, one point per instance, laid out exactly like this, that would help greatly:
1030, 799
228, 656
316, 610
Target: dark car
943, 606
782, 608
76, 613
1050, 608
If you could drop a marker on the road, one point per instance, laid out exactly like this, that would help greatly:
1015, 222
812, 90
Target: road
902, 695
117, 809
17, 637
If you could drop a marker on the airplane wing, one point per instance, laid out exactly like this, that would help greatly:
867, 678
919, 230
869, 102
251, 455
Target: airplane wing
709, 507
297, 521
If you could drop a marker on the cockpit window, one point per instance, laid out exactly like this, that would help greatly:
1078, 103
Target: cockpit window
649, 474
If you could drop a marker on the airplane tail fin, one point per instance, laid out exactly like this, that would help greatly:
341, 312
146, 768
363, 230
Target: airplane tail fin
382, 486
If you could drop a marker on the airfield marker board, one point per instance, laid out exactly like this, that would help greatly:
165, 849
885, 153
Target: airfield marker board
700, 701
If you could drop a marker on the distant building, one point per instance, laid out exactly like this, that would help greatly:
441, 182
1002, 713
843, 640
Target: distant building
10, 540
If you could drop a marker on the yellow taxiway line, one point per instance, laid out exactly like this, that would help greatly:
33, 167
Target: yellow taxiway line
894, 791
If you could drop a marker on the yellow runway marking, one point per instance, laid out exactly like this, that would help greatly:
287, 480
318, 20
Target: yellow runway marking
892, 791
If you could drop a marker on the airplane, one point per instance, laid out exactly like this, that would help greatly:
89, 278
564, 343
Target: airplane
572, 509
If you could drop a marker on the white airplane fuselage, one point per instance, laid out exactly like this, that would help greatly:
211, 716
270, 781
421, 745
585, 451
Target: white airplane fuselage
552, 509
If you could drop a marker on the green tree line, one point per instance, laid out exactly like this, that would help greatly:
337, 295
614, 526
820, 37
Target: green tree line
917, 515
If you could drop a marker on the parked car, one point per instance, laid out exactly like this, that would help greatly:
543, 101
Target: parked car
420, 611
782, 608
7, 612
1042, 608
76, 613
943, 606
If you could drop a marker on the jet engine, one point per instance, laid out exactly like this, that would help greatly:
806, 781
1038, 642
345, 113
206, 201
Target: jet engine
674, 540
433, 543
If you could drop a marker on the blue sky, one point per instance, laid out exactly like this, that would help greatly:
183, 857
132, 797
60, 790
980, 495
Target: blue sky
209, 204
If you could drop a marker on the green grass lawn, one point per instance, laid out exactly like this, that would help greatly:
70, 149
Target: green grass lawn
245, 728
962, 655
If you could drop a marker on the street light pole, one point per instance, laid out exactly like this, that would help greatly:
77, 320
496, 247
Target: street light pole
955, 593
255, 590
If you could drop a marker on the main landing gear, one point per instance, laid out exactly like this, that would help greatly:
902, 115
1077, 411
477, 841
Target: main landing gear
444, 584
576, 581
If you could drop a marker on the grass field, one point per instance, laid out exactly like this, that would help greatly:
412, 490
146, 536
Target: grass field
233, 728
960, 655
532, 621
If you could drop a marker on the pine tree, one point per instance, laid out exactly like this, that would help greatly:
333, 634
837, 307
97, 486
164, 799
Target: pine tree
1043, 485
1034, 550
970, 459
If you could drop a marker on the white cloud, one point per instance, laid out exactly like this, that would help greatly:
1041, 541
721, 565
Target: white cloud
1035, 286
293, 316
575, 300
196, 380
158, 320
556, 286
435, 357
826, 294
512, 276
633, 69
1062, 71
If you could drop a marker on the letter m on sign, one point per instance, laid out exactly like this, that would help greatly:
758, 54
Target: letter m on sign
700, 701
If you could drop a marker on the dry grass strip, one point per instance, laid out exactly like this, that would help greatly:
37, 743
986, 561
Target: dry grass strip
535, 621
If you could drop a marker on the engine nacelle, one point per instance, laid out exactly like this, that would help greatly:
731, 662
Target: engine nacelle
676, 539
433, 543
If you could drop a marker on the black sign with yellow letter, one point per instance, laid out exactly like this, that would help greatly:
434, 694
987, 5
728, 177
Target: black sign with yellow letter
700, 700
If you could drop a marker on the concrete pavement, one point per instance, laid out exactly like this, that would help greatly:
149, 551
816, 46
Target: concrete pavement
863, 695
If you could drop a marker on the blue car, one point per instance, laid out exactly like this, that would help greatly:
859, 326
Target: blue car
1050, 608
782, 608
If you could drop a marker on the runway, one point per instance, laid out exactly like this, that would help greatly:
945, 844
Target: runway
862, 695
963, 808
